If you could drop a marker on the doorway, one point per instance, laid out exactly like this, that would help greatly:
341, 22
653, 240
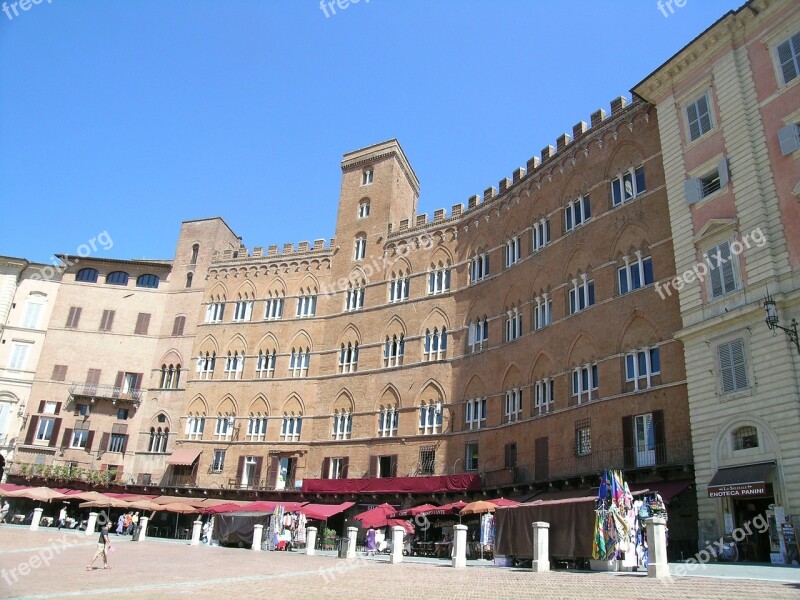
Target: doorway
756, 547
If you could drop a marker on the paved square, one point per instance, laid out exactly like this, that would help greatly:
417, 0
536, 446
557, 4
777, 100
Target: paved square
48, 564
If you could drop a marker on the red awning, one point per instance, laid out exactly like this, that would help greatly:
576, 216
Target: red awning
183, 457
394, 485
412, 512
668, 489
11, 487
322, 512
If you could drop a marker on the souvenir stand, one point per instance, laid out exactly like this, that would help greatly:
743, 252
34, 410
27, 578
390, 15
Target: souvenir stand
620, 532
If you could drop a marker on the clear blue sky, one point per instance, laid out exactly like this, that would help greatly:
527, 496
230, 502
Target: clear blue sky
132, 116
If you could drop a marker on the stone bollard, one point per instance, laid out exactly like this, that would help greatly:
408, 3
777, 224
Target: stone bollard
37, 516
90, 524
460, 547
541, 547
143, 524
397, 545
258, 530
657, 565
352, 532
311, 540
197, 527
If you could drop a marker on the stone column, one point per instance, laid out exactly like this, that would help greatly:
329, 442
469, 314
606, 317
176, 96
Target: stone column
143, 524
460, 547
258, 529
91, 523
37, 516
311, 540
197, 528
352, 532
657, 565
397, 545
541, 547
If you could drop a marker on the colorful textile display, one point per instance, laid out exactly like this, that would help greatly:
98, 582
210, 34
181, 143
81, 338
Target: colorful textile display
613, 523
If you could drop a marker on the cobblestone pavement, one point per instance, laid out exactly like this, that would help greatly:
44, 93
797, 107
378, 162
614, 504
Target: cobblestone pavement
48, 564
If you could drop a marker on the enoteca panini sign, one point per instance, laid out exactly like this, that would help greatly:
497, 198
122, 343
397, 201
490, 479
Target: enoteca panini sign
742, 480
739, 489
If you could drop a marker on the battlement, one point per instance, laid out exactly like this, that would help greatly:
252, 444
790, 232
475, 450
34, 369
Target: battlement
274, 252
580, 132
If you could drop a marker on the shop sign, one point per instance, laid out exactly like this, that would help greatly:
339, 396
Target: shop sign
737, 489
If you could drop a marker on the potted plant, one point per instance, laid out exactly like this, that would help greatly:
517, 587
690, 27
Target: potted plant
329, 539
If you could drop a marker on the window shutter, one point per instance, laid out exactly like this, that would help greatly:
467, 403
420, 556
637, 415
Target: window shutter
739, 364
118, 381
627, 440
257, 470
393, 463
93, 376
89, 440
54, 436
787, 61
41, 406
32, 430
138, 382
693, 189
789, 138
124, 443
142, 324
373, 466
274, 467
724, 174
240, 470
326, 467
104, 442
726, 368
659, 437
692, 117
58, 407
345, 466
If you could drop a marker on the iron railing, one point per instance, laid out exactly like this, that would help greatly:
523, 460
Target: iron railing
106, 392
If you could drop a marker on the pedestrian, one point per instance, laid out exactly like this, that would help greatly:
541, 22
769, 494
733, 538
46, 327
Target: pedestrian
103, 547
205, 532
4, 511
372, 547
128, 523
62, 517
120, 524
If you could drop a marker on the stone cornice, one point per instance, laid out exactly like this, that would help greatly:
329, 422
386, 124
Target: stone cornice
680, 66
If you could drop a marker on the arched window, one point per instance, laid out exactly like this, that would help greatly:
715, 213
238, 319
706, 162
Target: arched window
435, 344
205, 365
291, 427
87, 275
745, 437
147, 281
154, 438
430, 417
388, 418
117, 278
195, 251
348, 358
265, 365
363, 209
393, 351
188, 280
360, 248
342, 425
478, 334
